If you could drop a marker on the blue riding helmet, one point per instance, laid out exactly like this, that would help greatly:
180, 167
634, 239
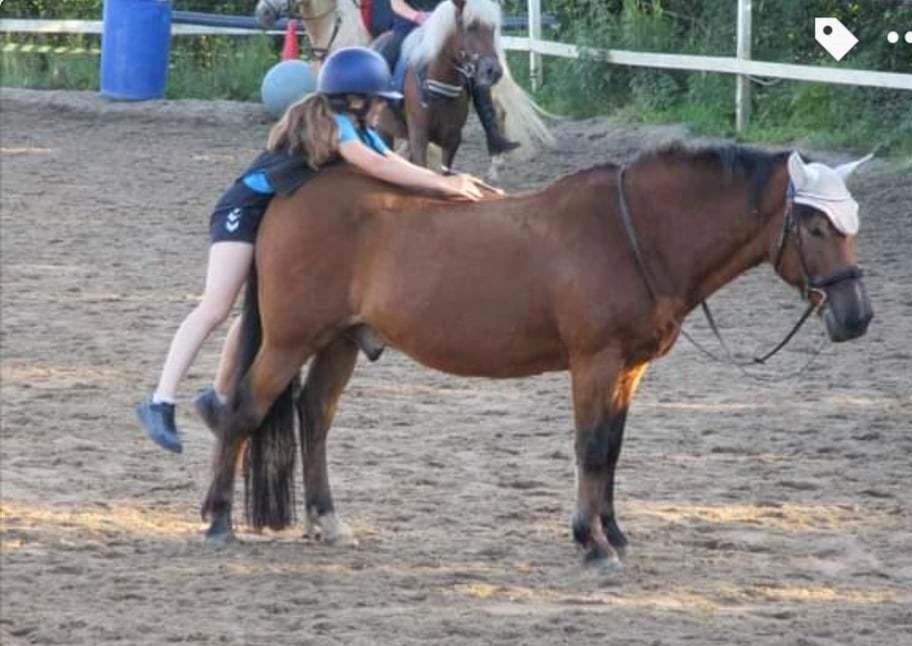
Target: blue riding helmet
356, 70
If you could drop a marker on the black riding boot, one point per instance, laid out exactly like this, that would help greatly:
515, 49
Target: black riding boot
484, 106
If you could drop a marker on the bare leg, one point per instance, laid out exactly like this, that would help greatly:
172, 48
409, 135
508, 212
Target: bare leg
229, 263
328, 375
223, 382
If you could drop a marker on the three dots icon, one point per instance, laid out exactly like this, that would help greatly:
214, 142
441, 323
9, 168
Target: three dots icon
893, 37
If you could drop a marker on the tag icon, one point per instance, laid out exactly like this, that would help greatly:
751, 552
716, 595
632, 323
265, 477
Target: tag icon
834, 37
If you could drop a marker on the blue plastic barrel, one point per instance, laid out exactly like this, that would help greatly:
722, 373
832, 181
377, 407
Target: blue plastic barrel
135, 42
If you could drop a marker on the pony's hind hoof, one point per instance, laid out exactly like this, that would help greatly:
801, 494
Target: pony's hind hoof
220, 532
335, 531
219, 540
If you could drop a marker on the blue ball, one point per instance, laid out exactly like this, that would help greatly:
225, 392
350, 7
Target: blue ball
285, 83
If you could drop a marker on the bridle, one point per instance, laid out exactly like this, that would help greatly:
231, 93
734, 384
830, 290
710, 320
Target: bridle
320, 53
810, 285
465, 64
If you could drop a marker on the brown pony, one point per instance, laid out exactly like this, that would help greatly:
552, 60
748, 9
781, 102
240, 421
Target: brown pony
454, 49
511, 287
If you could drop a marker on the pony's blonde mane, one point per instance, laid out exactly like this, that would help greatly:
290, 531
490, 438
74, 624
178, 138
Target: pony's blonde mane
423, 45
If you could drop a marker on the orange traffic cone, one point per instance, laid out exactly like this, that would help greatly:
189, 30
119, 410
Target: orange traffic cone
290, 50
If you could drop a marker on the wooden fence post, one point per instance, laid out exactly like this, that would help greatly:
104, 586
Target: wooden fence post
742, 83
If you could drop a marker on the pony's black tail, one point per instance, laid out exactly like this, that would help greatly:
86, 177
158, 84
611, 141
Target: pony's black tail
270, 451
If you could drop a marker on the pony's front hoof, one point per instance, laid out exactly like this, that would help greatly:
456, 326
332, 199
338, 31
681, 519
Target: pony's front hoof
615, 536
623, 551
602, 561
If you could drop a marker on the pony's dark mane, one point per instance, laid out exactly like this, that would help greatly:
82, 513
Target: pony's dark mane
731, 161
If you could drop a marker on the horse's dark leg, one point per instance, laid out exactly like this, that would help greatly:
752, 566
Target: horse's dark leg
329, 373
271, 372
626, 387
602, 389
452, 146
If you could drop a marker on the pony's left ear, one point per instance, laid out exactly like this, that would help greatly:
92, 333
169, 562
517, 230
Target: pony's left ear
847, 169
797, 170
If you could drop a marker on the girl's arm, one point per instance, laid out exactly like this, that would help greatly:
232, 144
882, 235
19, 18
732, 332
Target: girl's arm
394, 169
402, 8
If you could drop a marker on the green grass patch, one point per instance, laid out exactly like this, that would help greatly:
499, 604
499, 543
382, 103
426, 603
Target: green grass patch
205, 68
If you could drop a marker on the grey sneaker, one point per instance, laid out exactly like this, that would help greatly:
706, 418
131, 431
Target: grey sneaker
206, 405
158, 422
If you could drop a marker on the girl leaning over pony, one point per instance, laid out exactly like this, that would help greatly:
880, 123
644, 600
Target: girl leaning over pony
331, 124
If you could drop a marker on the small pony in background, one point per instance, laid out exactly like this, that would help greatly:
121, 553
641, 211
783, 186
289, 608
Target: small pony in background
333, 24
444, 64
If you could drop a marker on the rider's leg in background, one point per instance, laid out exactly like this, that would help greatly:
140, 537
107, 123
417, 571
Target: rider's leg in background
393, 47
487, 114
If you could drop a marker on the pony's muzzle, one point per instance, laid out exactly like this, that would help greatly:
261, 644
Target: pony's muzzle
488, 71
266, 15
848, 311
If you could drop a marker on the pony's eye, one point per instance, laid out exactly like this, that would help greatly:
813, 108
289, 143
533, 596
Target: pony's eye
818, 232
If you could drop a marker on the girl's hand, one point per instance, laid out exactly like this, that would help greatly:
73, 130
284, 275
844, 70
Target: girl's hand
461, 186
480, 183
499, 192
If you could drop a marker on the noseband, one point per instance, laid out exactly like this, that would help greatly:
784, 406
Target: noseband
464, 64
320, 53
809, 285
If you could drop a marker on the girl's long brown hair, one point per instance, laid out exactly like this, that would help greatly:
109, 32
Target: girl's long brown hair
308, 127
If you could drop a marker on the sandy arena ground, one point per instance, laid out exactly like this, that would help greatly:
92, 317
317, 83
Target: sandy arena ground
757, 514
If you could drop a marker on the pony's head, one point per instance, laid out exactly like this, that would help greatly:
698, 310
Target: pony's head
467, 32
268, 12
815, 248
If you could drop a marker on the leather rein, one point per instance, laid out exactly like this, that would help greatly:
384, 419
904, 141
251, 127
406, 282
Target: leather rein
790, 227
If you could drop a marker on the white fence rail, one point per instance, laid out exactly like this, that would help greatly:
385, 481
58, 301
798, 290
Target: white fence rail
741, 65
725, 65
95, 27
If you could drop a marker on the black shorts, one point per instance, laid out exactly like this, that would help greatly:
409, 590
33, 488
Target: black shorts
237, 215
